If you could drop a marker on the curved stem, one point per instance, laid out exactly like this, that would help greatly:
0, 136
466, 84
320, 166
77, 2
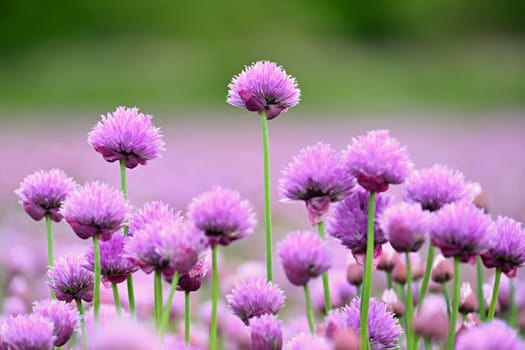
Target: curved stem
326, 284
495, 292
214, 298
267, 202
426, 277
367, 281
187, 317
96, 298
116, 297
309, 309
447, 298
455, 306
479, 289
82, 323
167, 309
50, 257
157, 292
410, 301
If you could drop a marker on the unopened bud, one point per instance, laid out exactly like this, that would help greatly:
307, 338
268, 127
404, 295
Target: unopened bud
394, 304
467, 299
388, 258
354, 273
346, 339
442, 270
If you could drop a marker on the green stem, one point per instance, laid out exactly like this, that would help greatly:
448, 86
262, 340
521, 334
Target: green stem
267, 202
447, 298
326, 284
129, 281
389, 284
426, 277
82, 323
403, 296
513, 306
214, 298
410, 301
309, 309
123, 183
116, 296
428, 344
187, 318
131, 295
96, 298
479, 289
367, 281
157, 292
50, 256
455, 306
495, 292
167, 309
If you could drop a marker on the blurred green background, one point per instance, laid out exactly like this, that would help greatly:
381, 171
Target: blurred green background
380, 55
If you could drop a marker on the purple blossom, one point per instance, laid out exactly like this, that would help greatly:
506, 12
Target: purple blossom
222, 215
254, 298
461, 230
95, 209
171, 246
488, 336
304, 256
114, 266
304, 341
192, 280
377, 160
27, 332
316, 176
150, 212
405, 226
126, 135
507, 252
264, 86
69, 279
64, 318
431, 320
266, 332
43, 193
434, 187
350, 219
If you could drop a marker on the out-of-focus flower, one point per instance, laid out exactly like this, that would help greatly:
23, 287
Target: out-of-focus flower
128, 135
341, 292
388, 258
305, 341
468, 301
153, 211
405, 226
65, 319
266, 332
354, 271
27, 332
395, 305
399, 273
13, 305
488, 336
69, 279
430, 320
442, 270
191, 281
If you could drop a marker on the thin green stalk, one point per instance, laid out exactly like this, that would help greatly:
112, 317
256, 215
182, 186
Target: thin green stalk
428, 344
123, 182
426, 277
447, 298
326, 285
131, 295
82, 323
267, 202
96, 297
116, 297
309, 309
513, 306
479, 289
50, 256
167, 309
367, 281
389, 284
214, 298
187, 318
403, 296
455, 306
495, 292
129, 281
157, 292
410, 302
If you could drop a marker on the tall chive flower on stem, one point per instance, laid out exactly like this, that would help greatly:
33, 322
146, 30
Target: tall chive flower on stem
304, 256
317, 176
265, 88
224, 217
95, 211
506, 254
127, 136
266, 332
41, 195
461, 231
65, 319
406, 227
28, 332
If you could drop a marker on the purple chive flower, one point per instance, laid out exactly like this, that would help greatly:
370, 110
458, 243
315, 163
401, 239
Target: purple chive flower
126, 135
316, 176
192, 280
304, 256
264, 86
377, 160
27, 332
507, 251
304, 341
43, 192
434, 187
171, 246
122, 333
65, 319
114, 266
222, 215
69, 279
405, 226
154, 211
431, 320
254, 298
266, 332
95, 209
488, 336
350, 219
461, 230
383, 327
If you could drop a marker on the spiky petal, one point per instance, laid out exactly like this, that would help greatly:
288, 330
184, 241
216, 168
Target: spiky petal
69, 279
493, 335
153, 211
266, 332
65, 319
405, 225
27, 332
